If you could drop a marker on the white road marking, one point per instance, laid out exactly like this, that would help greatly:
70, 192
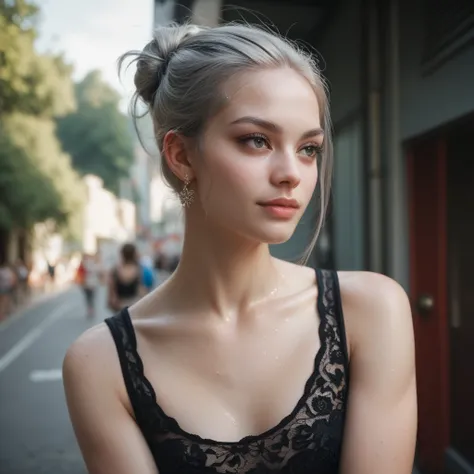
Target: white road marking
46, 375
32, 335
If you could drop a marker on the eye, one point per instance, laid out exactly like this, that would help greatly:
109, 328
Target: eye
256, 141
259, 142
311, 151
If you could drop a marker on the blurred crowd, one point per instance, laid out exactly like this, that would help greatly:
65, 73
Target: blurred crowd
133, 276
14, 286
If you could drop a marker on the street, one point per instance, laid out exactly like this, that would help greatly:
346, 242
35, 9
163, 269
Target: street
35, 431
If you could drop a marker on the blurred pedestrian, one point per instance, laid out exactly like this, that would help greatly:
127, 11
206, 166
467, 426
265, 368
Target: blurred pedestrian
7, 285
240, 362
125, 282
148, 273
158, 261
22, 276
51, 271
89, 277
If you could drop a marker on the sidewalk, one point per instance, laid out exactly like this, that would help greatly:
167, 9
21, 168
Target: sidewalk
36, 296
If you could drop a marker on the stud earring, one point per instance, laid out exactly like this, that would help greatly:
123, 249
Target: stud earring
186, 195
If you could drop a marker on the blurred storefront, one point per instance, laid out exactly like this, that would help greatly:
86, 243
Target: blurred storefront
106, 217
401, 76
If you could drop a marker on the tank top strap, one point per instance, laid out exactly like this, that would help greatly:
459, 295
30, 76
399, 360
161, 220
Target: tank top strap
330, 309
139, 391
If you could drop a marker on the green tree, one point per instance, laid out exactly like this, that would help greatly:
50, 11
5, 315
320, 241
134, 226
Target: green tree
20, 182
37, 181
97, 135
30, 83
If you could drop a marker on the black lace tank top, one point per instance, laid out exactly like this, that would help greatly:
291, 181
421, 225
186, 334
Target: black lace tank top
307, 441
127, 289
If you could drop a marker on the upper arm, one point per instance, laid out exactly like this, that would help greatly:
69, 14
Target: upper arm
107, 434
380, 432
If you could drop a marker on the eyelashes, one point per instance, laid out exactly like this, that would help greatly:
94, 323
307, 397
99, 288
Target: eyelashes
258, 141
255, 138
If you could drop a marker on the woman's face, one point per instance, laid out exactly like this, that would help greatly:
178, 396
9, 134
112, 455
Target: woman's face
257, 164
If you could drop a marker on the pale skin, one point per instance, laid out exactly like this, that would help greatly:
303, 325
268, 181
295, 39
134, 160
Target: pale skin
231, 358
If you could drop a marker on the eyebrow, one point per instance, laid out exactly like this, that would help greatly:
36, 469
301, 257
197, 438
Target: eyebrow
273, 127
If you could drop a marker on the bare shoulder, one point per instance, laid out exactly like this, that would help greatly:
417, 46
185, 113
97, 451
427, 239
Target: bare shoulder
374, 305
368, 288
92, 357
101, 415
94, 343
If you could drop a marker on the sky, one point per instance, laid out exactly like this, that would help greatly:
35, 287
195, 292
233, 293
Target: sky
94, 33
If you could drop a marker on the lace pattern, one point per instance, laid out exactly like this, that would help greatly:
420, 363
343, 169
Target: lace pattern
308, 440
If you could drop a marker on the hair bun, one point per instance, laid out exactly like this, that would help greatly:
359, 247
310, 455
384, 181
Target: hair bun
153, 61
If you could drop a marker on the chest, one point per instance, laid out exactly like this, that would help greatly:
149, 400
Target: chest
261, 418
231, 386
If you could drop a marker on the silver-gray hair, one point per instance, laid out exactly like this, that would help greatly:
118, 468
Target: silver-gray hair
181, 70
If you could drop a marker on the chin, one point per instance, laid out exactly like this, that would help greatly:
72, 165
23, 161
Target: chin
276, 235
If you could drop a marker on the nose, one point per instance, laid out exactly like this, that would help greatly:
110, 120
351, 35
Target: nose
285, 171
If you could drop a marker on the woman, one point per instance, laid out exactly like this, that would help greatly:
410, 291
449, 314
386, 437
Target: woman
22, 276
89, 276
239, 362
125, 281
7, 285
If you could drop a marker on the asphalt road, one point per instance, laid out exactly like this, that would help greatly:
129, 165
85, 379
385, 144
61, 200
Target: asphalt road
35, 432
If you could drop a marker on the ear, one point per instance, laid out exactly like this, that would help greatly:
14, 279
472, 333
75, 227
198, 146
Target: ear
177, 155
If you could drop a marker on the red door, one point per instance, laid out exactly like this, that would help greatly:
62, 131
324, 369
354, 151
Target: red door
428, 285
441, 188
460, 213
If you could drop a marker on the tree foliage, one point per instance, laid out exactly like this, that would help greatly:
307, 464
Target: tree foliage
20, 182
97, 135
30, 83
37, 181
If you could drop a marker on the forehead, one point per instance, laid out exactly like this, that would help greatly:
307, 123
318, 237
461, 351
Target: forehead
281, 95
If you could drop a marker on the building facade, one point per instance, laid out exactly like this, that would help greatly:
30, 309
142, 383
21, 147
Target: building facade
401, 77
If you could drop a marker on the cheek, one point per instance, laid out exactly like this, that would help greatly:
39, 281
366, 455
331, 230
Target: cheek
309, 181
225, 178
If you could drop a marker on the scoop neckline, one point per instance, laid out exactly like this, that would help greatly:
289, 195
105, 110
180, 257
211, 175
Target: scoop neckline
173, 424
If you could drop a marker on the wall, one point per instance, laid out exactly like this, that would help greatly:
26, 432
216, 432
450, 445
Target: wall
431, 100
348, 218
341, 49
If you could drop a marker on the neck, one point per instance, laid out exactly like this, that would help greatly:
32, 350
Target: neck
221, 271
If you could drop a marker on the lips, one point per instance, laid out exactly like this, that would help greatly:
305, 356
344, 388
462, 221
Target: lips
281, 202
281, 209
